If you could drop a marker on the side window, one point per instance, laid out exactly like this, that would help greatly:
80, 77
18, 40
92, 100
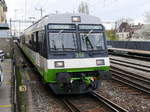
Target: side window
44, 46
34, 42
28, 40
42, 43
22, 39
40, 38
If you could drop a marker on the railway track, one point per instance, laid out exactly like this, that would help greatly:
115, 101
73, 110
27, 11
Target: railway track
131, 79
141, 67
129, 62
104, 106
135, 80
70, 105
113, 106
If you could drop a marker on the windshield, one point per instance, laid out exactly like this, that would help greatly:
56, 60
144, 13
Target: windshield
62, 41
92, 41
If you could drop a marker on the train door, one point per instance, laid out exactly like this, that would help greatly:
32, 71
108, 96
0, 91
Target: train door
38, 48
42, 49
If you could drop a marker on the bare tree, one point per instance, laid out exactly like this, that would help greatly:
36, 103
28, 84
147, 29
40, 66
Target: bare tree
143, 33
83, 8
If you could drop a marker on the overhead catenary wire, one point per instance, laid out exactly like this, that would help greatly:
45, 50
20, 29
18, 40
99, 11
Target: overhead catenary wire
31, 7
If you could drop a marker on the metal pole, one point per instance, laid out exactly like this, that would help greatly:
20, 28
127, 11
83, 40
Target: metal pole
19, 28
10, 28
25, 8
41, 11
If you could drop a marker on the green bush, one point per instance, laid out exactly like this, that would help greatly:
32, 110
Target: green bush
111, 35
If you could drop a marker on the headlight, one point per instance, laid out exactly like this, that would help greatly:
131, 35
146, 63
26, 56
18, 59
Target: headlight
100, 62
76, 19
59, 63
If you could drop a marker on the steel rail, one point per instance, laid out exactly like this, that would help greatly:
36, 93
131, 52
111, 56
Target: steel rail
130, 83
107, 102
70, 105
132, 66
130, 63
132, 56
124, 75
130, 74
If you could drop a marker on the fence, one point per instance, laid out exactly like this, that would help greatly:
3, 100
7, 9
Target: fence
140, 45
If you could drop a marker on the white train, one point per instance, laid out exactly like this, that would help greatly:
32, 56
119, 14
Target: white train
69, 51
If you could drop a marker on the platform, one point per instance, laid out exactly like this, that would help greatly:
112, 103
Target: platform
6, 88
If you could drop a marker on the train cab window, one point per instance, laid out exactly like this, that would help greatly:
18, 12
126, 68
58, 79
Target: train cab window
62, 37
92, 37
62, 41
92, 41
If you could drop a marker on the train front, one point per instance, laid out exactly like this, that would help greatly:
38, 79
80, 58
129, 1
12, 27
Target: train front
78, 59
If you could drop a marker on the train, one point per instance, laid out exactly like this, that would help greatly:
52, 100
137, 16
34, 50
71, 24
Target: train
69, 51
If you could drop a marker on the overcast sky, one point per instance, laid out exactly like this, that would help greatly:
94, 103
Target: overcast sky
105, 9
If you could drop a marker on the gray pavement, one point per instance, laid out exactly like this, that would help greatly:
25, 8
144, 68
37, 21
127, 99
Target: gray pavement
5, 89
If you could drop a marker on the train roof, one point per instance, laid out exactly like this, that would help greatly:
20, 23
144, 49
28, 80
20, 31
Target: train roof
63, 18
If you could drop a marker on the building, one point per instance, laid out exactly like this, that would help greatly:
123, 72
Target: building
4, 31
143, 33
5, 39
126, 31
3, 10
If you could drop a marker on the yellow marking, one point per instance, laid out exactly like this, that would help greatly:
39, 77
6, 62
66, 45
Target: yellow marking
23, 88
5, 106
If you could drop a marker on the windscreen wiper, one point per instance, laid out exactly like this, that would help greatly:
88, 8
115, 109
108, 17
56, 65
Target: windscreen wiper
54, 44
59, 33
88, 42
74, 40
62, 40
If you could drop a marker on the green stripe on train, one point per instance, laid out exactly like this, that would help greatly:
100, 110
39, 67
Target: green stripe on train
26, 51
50, 75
